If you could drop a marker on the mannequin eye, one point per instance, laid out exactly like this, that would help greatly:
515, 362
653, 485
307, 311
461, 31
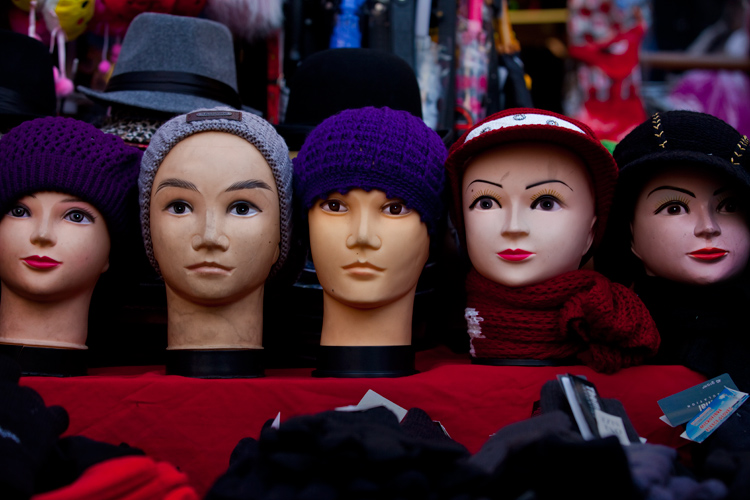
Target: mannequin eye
334, 206
673, 208
396, 208
729, 205
546, 203
79, 216
243, 209
19, 211
179, 208
484, 203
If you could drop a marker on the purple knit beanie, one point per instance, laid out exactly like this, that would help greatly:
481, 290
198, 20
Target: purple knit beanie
374, 148
69, 156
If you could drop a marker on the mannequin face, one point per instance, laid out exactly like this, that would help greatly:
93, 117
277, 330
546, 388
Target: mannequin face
529, 213
214, 218
368, 250
54, 246
689, 226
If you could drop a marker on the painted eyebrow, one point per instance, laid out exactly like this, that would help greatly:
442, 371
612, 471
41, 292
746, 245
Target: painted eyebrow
721, 190
71, 200
488, 182
547, 182
249, 184
178, 183
690, 193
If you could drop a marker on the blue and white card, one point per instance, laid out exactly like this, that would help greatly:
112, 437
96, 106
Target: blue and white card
720, 409
681, 407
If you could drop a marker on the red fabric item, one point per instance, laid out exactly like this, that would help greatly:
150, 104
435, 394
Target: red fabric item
619, 65
126, 478
579, 313
195, 424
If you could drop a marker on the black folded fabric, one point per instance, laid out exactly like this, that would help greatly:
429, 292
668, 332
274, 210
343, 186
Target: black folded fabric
348, 455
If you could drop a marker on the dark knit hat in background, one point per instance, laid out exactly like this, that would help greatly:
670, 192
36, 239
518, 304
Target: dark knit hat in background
374, 148
248, 126
534, 125
68, 156
684, 138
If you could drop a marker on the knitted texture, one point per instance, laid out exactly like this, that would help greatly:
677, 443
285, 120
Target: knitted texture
68, 156
374, 148
254, 130
533, 125
579, 313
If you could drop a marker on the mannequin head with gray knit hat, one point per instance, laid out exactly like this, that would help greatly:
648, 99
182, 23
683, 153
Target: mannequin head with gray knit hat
215, 198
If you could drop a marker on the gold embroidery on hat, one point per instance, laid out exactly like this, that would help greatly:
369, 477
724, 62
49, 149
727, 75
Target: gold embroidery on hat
740, 149
656, 123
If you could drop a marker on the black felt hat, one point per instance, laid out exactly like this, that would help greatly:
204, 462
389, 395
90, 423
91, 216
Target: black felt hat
333, 80
686, 138
27, 85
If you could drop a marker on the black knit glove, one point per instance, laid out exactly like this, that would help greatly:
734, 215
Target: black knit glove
28, 432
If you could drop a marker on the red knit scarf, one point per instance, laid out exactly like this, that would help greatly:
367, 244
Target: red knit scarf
579, 313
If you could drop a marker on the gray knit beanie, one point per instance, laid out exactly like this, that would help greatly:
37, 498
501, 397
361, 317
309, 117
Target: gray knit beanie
250, 127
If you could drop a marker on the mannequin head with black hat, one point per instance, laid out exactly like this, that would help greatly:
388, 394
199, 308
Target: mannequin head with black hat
531, 194
215, 195
679, 233
370, 181
63, 195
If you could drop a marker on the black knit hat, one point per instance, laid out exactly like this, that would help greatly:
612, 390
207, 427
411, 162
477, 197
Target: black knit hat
684, 137
672, 138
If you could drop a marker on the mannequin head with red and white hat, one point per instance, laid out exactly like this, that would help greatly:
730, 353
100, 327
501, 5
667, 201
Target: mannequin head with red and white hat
531, 194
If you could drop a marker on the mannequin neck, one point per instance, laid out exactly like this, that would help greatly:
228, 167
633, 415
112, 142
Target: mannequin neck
61, 323
235, 325
387, 325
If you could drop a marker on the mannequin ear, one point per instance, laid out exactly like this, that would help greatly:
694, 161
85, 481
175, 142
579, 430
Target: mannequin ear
632, 243
106, 266
590, 239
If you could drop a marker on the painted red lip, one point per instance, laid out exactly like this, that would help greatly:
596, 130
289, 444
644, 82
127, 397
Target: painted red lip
515, 255
709, 253
38, 262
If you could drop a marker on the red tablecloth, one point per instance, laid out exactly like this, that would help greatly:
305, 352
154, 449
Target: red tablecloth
195, 424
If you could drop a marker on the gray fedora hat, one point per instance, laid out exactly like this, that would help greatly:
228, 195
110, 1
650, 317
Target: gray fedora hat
173, 64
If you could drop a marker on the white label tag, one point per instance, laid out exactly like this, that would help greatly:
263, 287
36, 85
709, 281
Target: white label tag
611, 425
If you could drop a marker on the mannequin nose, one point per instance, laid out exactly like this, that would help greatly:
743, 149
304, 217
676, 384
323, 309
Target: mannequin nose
515, 223
706, 226
363, 232
212, 236
43, 234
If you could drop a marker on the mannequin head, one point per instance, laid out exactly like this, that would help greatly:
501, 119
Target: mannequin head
531, 191
370, 181
215, 197
368, 249
54, 246
214, 218
58, 215
690, 226
679, 211
529, 212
